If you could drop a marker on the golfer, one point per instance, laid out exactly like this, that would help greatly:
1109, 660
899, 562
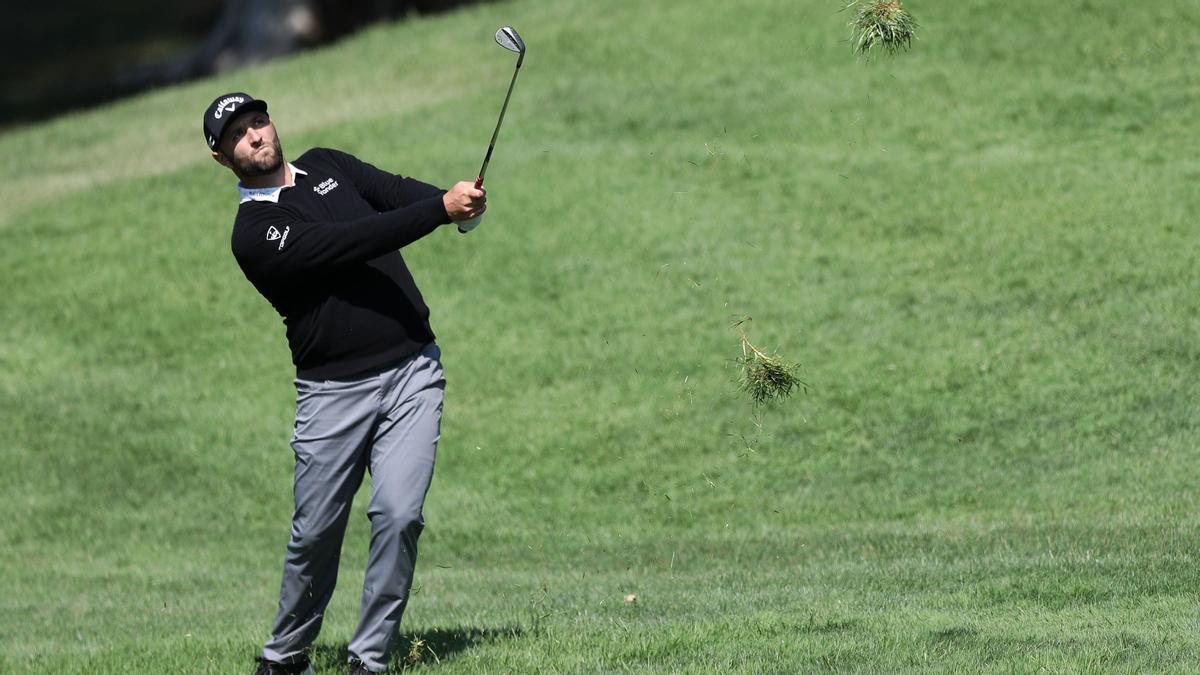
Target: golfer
319, 239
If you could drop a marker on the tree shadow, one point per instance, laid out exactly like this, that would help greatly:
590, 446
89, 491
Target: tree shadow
427, 647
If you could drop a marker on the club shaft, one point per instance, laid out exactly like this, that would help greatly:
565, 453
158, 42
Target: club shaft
492, 146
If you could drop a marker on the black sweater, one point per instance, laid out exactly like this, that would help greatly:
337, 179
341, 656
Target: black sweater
325, 256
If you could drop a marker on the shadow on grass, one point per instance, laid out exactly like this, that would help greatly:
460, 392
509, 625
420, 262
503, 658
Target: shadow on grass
427, 647
955, 634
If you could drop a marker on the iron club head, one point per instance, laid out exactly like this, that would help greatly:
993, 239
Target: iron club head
508, 38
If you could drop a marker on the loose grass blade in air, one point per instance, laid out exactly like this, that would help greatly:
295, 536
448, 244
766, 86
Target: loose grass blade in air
882, 23
766, 377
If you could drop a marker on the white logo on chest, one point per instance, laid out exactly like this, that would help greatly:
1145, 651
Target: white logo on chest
325, 186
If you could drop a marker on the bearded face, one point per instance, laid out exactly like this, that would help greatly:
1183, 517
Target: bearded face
251, 146
261, 161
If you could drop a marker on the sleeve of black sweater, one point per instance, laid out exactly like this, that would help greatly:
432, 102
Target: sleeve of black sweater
382, 190
305, 247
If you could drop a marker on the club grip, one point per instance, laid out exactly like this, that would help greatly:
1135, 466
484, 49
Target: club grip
478, 184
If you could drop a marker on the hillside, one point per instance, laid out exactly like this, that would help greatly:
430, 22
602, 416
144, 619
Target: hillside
979, 251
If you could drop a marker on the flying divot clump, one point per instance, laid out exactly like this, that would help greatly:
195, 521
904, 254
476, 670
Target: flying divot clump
881, 24
765, 377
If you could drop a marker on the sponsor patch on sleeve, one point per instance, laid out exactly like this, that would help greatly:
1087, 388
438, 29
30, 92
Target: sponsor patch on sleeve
273, 234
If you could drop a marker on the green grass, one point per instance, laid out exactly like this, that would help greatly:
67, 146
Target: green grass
980, 251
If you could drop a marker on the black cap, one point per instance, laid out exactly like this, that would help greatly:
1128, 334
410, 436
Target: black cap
222, 110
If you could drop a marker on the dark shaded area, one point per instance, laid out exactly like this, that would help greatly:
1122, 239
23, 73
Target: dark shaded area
71, 54
439, 644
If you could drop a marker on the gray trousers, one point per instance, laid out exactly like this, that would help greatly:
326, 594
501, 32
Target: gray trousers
388, 424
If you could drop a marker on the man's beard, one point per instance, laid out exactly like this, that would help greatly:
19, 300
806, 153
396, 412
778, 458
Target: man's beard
256, 165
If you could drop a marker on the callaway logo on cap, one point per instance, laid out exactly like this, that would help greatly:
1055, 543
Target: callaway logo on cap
228, 103
222, 111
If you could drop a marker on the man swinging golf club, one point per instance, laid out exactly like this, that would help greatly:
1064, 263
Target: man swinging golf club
319, 239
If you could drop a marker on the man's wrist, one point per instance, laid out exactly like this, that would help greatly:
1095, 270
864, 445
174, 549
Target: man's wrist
446, 219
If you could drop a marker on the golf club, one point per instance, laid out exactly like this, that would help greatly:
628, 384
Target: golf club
508, 38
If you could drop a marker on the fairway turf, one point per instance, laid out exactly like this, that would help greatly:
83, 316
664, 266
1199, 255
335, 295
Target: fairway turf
982, 251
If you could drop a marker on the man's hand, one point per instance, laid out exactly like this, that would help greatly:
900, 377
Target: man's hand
464, 202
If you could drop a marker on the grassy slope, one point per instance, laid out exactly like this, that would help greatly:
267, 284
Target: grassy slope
979, 250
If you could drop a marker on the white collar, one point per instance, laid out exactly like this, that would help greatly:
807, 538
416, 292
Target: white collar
268, 194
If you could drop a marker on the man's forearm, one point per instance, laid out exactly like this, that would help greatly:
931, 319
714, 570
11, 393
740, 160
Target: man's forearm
306, 247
